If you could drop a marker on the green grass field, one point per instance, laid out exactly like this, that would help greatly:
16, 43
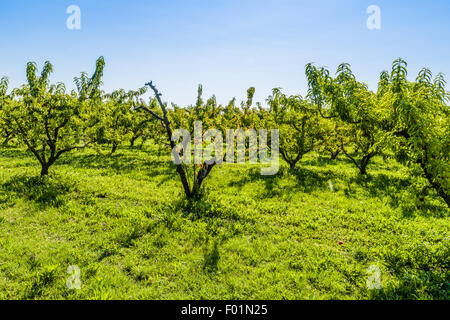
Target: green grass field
123, 221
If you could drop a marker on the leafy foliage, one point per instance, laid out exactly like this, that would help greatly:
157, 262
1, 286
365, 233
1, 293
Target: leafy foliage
419, 124
5, 99
48, 120
120, 123
299, 125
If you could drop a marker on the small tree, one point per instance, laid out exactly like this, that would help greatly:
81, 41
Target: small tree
120, 123
419, 123
349, 102
51, 122
333, 133
191, 190
141, 128
299, 125
364, 143
5, 100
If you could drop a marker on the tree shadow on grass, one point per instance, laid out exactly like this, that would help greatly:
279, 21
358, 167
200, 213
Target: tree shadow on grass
424, 286
379, 185
253, 175
307, 181
211, 258
394, 188
220, 223
119, 164
13, 152
323, 161
206, 208
46, 191
418, 272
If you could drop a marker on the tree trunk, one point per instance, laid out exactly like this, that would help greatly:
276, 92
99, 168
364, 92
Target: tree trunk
203, 173
114, 148
334, 155
44, 170
435, 184
363, 166
195, 193
363, 170
133, 140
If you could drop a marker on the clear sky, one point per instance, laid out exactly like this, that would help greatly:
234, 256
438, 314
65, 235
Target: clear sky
227, 45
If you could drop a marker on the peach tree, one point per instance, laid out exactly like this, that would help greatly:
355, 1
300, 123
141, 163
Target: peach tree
355, 110
299, 125
5, 100
49, 121
419, 124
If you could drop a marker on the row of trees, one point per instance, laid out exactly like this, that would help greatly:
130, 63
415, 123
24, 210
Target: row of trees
339, 115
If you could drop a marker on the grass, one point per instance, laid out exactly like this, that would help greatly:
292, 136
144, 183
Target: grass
123, 221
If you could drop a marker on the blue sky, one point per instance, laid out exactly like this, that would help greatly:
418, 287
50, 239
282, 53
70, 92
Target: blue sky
227, 45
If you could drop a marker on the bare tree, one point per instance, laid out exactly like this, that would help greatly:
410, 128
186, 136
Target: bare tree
191, 192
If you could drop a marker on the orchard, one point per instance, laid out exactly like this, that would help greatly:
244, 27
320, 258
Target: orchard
297, 197
403, 120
